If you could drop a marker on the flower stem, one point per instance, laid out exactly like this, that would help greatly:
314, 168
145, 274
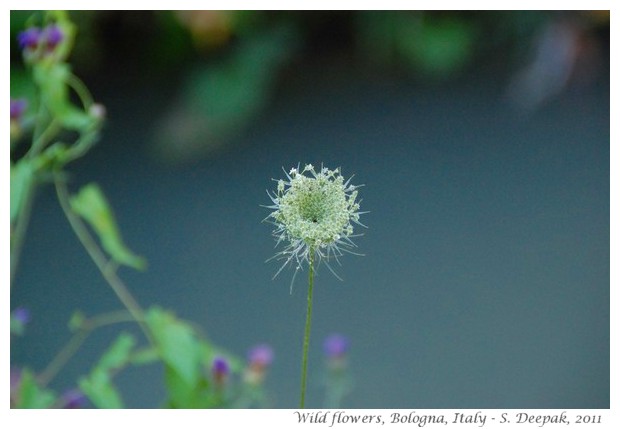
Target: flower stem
304, 363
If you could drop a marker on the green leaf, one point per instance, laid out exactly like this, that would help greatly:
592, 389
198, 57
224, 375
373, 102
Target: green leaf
22, 176
98, 384
184, 395
100, 390
118, 354
92, 206
31, 395
176, 343
437, 47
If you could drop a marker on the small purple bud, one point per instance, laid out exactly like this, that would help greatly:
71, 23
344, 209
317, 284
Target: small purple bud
260, 356
22, 315
29, 39
18, 107
53, 36
335, 346
74, 399
220, 369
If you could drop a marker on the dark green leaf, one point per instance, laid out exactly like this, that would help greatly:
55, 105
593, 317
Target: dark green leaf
437, 47
92, 206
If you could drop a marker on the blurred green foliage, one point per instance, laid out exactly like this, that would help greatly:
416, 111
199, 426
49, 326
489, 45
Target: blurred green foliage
92, 206
228, 62
62, 124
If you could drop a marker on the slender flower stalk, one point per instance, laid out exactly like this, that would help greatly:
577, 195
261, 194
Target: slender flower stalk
313, 213
304, 361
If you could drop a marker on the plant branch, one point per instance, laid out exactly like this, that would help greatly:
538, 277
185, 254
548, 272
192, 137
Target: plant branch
76, 341
108, 271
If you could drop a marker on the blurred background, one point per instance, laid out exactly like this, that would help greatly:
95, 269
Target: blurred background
483, 142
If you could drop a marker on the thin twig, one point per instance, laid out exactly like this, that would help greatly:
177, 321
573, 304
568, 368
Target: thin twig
76, 341
98, 257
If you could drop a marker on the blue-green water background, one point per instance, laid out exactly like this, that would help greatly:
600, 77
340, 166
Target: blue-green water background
485, 281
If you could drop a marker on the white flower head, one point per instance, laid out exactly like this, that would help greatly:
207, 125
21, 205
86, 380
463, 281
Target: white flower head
314, 213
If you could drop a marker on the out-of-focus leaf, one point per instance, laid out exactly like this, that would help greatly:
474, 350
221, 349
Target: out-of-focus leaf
437, 47
31, 395
92, 206
98, 384
100, 390
176, 343
118, 354
221, 99
21, 84
182, 395
22, 176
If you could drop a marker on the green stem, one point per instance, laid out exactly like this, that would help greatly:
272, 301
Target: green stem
108, 271
88, 326
19, 234
304, 362
23, 218
81, 90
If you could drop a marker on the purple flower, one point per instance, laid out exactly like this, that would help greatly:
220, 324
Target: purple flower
335, 346
29, 39
22, 315
220, 369
53, 36
74, 399
260, 356
18, 107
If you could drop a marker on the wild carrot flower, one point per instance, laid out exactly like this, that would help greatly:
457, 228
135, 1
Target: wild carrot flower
314, 213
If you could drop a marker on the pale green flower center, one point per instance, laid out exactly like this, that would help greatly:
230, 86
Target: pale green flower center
316, 209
